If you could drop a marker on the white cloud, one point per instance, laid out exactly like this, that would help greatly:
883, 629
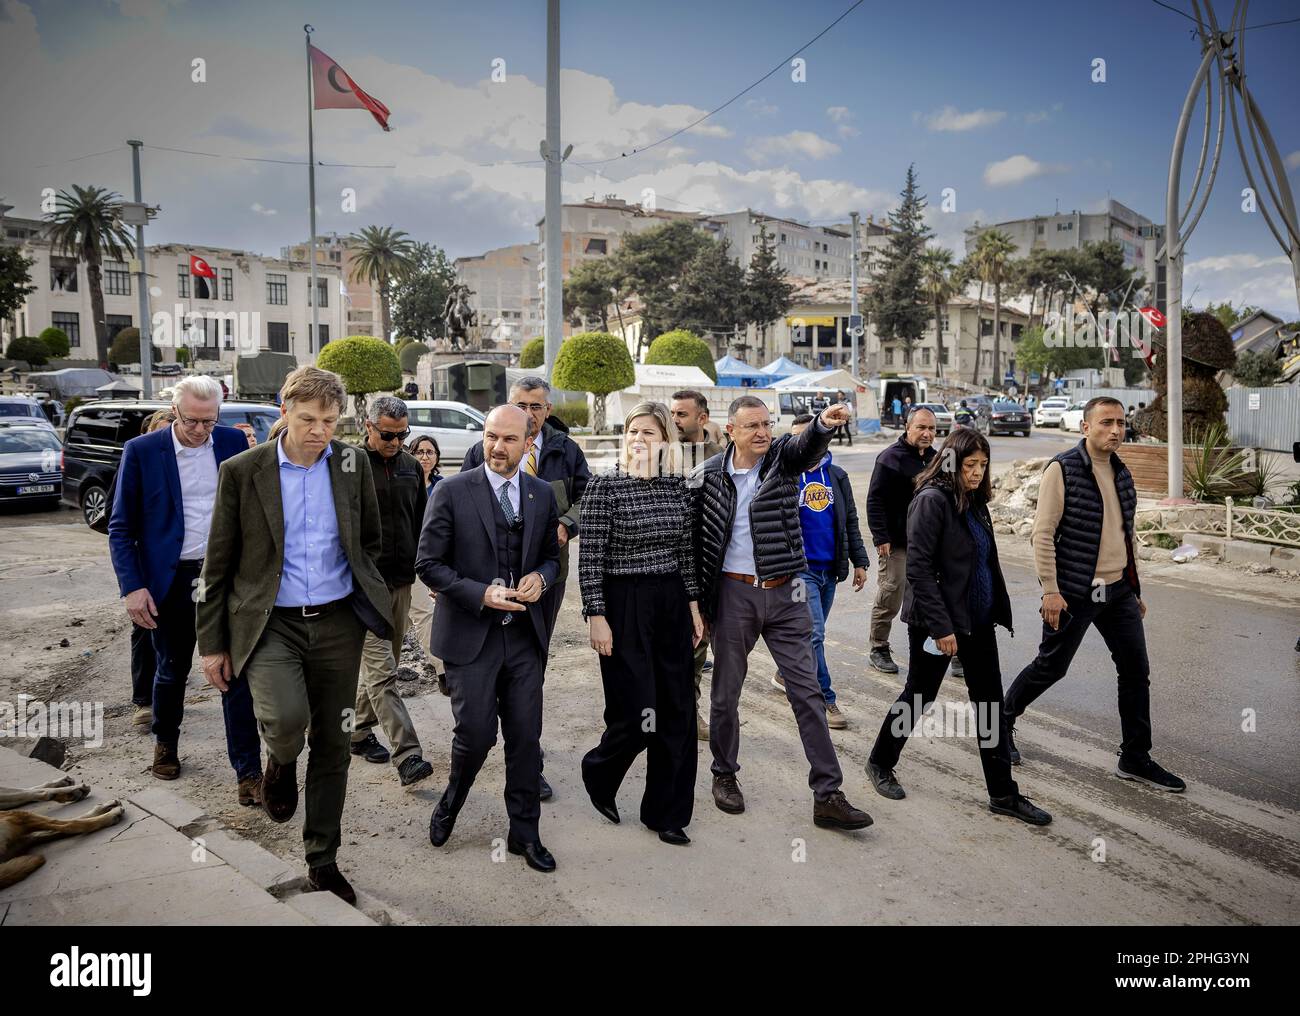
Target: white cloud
951, 119
796, 143
846, 131
1242, 279
256, 206
1293, 160
1039, 116
761, 107
1016, 169
839, 114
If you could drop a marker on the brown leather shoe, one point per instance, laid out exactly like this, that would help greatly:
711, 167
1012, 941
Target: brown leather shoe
250, 791
836, 813
166, 765
328, 878
727, 795
280, 790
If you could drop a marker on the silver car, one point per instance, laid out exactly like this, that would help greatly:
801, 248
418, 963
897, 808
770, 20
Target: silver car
942, 415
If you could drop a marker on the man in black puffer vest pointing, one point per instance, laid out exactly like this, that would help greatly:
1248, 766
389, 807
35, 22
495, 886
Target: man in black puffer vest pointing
749, 549
1083, 553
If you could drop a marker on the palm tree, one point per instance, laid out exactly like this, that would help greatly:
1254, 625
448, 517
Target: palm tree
936, 276
380, 256
993, 251
87, 224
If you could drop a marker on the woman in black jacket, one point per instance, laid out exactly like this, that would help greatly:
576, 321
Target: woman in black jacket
955, 597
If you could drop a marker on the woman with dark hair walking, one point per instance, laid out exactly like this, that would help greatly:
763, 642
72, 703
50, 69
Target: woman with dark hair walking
426, 452
955, 598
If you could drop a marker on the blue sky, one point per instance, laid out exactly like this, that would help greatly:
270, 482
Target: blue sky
994, 100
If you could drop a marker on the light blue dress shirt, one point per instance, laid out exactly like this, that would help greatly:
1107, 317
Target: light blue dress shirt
739, 557
316, 569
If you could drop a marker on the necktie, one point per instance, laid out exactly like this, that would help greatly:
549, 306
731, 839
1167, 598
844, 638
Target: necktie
532, 462
506, 506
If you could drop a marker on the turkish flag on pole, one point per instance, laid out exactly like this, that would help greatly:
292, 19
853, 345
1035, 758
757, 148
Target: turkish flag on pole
200, 267
333, 89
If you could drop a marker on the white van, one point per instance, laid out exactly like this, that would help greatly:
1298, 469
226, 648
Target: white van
454, 425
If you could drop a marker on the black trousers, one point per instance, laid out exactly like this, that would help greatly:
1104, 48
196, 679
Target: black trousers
505, 684
979, 658
1118, 618
649, 685
143, 665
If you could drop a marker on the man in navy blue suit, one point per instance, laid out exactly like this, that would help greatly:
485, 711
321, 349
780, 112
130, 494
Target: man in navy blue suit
158, 535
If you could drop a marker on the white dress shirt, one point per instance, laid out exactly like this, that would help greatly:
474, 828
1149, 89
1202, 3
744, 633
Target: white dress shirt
198, 472
739, 557
497, 481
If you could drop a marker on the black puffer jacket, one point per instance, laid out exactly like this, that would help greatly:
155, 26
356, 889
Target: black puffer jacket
940, 555
773, 512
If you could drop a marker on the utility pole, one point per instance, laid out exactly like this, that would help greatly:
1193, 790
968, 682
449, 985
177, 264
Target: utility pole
855, 319
554, 295
142, 282
314, 337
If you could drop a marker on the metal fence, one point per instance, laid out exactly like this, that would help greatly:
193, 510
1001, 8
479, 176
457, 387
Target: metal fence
1230, 520
1264, 417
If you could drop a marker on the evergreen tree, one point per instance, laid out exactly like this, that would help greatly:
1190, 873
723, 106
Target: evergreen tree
768, 292
898, 301
711, 295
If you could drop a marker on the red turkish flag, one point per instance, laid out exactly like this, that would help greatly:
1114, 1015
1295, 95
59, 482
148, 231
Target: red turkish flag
333, 89
200, 267
1153, 315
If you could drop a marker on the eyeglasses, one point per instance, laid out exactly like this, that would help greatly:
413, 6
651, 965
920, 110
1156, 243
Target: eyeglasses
531, 407
750, 428
185, 421
424, 453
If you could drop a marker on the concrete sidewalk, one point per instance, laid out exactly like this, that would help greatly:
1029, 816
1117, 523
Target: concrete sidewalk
164, 863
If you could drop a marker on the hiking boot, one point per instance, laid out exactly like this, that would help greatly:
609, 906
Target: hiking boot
1150, 773
834, 718
882, 661
166, 764
328, 878
727, 795
1019, 806
250, 791
885, 783
836, 813
370, 749
413, 769
280, 790
142, 718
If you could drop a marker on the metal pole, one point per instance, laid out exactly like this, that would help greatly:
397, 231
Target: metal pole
853, 297
554, 295
142, 287
311, 198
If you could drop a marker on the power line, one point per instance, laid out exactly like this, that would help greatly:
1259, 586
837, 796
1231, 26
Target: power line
79, 158
1247, 28
282, 162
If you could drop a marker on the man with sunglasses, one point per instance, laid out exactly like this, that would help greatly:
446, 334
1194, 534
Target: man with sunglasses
555, 458
400, 491
158, 537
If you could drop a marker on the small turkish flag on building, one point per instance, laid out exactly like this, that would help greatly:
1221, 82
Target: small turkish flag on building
1154, 316
200, 267
333, 89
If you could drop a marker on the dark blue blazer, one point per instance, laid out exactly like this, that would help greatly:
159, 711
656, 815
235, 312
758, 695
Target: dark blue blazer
147, 525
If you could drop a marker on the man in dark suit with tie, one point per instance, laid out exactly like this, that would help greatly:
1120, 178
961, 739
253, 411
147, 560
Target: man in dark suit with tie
158, 537
489, 549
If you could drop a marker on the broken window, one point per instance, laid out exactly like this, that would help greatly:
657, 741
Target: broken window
63, 275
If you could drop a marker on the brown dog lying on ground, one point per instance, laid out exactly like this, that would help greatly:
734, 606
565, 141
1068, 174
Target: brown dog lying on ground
20, 830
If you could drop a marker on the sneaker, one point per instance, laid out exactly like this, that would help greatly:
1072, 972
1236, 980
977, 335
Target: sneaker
727, 795
142, 718
957, 669
708, 664
413, 769
1152, 774
370, 749
778, 682
882, 661
885, 783
836, 813
1019, 806
701, 727
1011, 745
834, 718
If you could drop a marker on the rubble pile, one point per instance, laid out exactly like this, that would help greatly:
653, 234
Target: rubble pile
1015, 496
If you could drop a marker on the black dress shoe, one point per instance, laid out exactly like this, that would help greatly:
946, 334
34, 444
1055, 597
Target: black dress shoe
328, 878
442, 684
537, 856
440, 823
677, 837
370, 749
545, 792
607, 808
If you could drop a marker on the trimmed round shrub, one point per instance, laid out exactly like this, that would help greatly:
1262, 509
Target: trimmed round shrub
409, 355
29, 349
682, 348
56, 341
533, 354
366, 364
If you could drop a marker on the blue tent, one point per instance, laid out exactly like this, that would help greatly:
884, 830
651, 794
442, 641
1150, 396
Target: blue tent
739, 374
783, 366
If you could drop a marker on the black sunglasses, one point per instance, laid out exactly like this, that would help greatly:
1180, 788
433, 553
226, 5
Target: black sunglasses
388, 435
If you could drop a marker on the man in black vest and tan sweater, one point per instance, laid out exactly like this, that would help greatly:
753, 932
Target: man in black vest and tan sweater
1083, 553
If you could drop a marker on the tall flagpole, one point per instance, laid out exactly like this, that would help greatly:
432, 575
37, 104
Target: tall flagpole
311, 198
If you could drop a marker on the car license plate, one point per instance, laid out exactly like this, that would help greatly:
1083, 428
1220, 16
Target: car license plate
43, 488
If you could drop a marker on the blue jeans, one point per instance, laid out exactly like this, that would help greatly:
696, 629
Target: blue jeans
820, 586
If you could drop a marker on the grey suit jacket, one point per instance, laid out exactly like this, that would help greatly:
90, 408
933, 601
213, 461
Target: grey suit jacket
241, 573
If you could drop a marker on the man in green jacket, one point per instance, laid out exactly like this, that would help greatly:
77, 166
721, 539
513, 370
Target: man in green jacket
288, 590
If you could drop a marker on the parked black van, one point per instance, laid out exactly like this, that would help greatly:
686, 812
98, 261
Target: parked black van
96, 432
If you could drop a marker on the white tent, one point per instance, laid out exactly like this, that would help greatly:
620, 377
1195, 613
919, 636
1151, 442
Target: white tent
865, 402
